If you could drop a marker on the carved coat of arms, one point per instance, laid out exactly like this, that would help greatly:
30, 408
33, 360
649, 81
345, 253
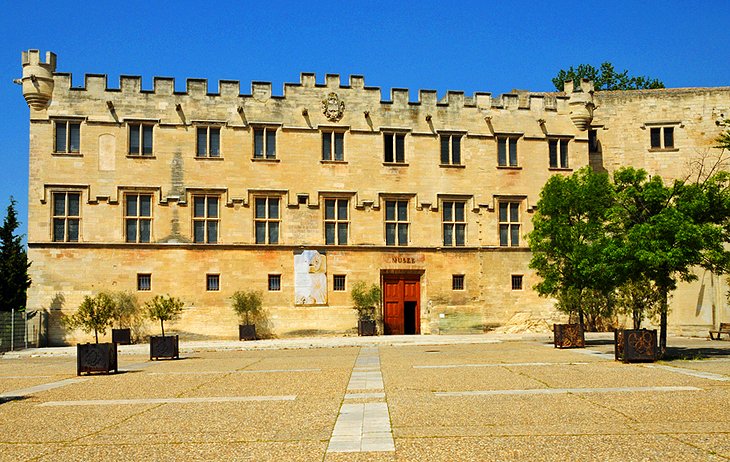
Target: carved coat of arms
333, 107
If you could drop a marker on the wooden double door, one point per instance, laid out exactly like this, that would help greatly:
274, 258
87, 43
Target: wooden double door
402, 304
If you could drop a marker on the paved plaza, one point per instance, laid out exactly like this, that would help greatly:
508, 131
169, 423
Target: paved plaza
424, 398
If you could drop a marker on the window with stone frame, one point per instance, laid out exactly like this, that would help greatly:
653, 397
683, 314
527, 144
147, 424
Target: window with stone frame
333, 145
516, 282
509, 224
212, 282
507, 151
144, 281
450, 148
336, 221
396, 222
274, 282
558, 152
66, 216
206, 218
661, 137
454, 223
208, 141
338, 282
457, 282
67, 136
138, 217
267, 219
264, 143
394, 146
140, 139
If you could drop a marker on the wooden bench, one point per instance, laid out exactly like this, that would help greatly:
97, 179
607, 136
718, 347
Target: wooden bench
724, 329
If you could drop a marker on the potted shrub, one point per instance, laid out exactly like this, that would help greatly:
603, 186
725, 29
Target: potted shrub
635, 345
248, 306
94, 314
639, 299
366, 301
164, 308
568, 336
125, 312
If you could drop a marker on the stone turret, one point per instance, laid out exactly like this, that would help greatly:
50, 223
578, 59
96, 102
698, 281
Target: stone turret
37, 78
580, 103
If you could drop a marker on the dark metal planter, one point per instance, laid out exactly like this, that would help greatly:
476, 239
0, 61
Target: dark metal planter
164, 347
247, 332
96, 357
635, 345
122, 336
366, 327
568, 336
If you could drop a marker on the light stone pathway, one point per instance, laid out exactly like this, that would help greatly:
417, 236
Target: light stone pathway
559, 391
691, 372
364, 427
38, 388
210, 399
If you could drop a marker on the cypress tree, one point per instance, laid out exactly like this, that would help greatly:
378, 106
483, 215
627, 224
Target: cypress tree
14, 279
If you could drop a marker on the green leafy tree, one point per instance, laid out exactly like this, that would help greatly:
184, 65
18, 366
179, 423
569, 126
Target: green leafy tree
94, 314
571, 247
126, 309
248, 305
639, 299
14, 279
366, 299
605, 78
164, 308
669, 229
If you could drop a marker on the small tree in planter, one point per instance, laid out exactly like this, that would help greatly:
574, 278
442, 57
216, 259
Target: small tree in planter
94, 314
164, 308
248, 306
125, 314
367, 301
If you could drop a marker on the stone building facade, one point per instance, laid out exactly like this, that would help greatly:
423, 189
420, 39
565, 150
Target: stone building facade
204, 192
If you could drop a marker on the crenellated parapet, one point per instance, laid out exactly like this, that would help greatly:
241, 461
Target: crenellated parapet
303, 105
37, 78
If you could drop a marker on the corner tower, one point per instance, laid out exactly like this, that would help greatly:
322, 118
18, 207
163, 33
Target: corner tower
37, 78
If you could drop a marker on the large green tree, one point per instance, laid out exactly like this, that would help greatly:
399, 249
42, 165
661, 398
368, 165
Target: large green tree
667, 230
571, 247
605, 78
14, 279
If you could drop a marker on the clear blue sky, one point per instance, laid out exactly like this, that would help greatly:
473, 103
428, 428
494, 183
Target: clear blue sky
470, 46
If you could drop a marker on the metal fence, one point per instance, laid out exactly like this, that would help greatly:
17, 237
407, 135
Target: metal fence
21, 329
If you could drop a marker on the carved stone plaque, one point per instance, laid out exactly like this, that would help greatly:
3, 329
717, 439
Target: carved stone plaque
333, 107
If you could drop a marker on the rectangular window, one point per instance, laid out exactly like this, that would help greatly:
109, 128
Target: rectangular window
140, 139
592, 141
144, 282
335, 221
208, 142
138, 217
507, 151
66, 216
212, 282
205, 219
274, 282
394, 147
457, 282
396, 222
516, 282
333, 146
558, 152
662, 137
267, 220
450, 149
454, 223
509, 224
68, 136
264, 143
338, 282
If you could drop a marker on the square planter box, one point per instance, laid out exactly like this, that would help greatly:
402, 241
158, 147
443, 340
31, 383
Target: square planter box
122, 336
638, 345
246, 332
568, 336
96, 357
366, 328
164, 347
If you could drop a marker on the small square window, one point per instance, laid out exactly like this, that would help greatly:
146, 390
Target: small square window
516, 282
662, 137
457, 282
212, 282
338, 282
144, 282
274, 282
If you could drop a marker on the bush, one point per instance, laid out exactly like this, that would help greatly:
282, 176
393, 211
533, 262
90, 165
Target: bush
94, 314
366, 299
247, 304
164, 308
